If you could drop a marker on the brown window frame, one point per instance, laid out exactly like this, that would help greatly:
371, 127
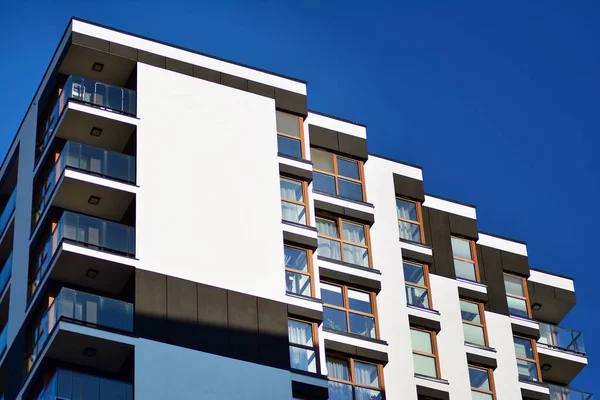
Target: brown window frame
301, 130
427, 286
310, 273
536, 357
340, 228
434, 348
304, 197
490, 373
315, 340
336, 176
483, 324
525, 292
419, 221
350, 362
347, 310
473, 248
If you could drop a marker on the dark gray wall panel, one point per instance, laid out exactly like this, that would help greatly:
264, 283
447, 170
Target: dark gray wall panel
353, 146
289, 101
212, 319
426, 323
463, 226
479, 263
273, 342
151, 305
152, 59
349, 279
354, 351
443, 262
410, 255
182, 312
243, 326
90, 41
525, 331
409, 187
234, 81
491, 265
350, 213
304, 241
261, 89
295, 172
207, 74
426, 225
472, 294
180, 67
323, 137
533, 395
123, 51
338, 142
482, 360
515, 263
302, 390
425, 392
305, 313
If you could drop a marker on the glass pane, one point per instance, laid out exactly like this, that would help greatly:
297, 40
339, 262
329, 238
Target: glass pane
287, 123
479, 378
527, 370
303, 359
362, 325
289, 147
514, 285
474, 334
461, 248
406, 210
350, 190
291, 190
517, 307
353, 233
481, 396
409, 231
293, 213
300, 332
414, 273
523, 348
465, 270
417, 297
324, 183
331, 294
425, 365
356, 255
329, 249
338, 369
348, 168
327, 227
295, 258
421, 341
334, 319
470, 311
366, 374
339, 391
322, 160
367, 394
359, 301
298, 283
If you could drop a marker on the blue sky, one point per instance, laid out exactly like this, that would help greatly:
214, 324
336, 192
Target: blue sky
498, 102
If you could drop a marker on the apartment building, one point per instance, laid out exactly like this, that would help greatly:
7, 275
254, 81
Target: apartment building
178, 226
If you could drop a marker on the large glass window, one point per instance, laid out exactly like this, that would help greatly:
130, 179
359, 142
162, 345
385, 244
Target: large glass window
343, 241
473, 322
409, 220
482, 383
517, 296
303, 344
298, 271
337, 175
289, 135
424, 352
293, 201
351, 379
348, 310
416, 279
527, 363
465, 259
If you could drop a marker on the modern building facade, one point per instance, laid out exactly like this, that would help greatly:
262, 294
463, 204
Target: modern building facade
177, 226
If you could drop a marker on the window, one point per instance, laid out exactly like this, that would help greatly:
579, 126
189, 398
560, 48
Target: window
424, 352
473, 317
348, 310
409, 220
527, 359
517, 296
293, 200
298, 271
482, 383
303, 345
290, 135
344, 241
337, 175
416, 279
465, 259
351, 379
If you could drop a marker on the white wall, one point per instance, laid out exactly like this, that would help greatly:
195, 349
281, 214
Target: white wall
208, 205
506, 376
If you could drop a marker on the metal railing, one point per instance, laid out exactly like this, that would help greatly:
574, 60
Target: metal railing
565, 393
71, 385
8, 211
564, 339
5, 273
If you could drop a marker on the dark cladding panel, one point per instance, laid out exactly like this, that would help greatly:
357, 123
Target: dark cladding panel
180, 66
409, 187
302, 390
463, 226
212, 319
207, 74
515, 263
426, 225
243, 326
182, 312
289, 101
443, 261
151, 305
14, 366
123, 51
409, 255
354, 146
273, 340
491, 264
261, 89
152, 59
234, 81
89, 41
323, 137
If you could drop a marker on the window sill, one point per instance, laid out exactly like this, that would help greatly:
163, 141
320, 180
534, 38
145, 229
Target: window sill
346, 264
303, 297
303, 226
362, 203
427, 310
523, 319
295, 158
478, 346
432, 379
356, 336
419, 244
482, 285
306, 373
535, 383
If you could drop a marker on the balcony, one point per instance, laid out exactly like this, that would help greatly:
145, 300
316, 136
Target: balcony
563, 339
565, 393
3, 340
7, 212
5, 273
71, 385
562, 351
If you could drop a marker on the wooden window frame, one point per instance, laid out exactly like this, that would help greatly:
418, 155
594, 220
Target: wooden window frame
483, 325
304, 197
310, 273
490, 373
351, 374
473, 248
525, 292
301, 131
434, 348
536, 358
419, 220
336, 176
315, 340
347, 310
339, 223
427, 286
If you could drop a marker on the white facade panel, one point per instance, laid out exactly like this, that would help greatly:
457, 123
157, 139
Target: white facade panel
551, 280
336, 125
450, 207
502, 244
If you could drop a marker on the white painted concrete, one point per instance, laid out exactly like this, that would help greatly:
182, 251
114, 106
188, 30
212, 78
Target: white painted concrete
546, 278
424, 313
450, 207
415, 247
349, 270
343, 203
502, 244
365, 344
576, 358
475, 286
387, 167
336, 125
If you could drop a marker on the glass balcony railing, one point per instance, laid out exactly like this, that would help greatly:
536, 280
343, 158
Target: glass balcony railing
8, 211
5, 273
112, 98
92, 232
565, 393
71, 385
85, 308
561, 338
3, 335
90, 159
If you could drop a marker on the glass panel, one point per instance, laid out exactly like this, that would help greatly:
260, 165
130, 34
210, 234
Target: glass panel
303, 359
406, 210
7, 211
362, 325
289, 147
481, 396
523, 348
291, 190
409, 231
77, 386
353, 233
421, 341
425, 365
561, 338
329, 248
339, 391
295, 258
527, 370
367, 394
479, 378
3, 338
300, 332
321, 160
327, 227
366, 374
348, 168
350, 190
298, 283
514, 285
331, 294
338, 369
461, 248
474, 334
465, 270
324, 183
293, 212
359, 301
101, 94
287, 123
356, 255
517, 307
417, 297
334, 319
414, 273
470, 311
5, 272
